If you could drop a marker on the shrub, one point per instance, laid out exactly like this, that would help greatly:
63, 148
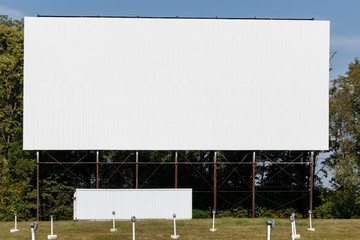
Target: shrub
197, 213
241, 212
286, 213
226, 213
325, 210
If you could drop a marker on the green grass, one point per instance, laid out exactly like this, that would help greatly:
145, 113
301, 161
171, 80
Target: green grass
228, 228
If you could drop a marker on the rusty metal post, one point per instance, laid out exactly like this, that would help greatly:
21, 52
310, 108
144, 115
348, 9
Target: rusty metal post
97, 169
176, 168
253, 187
137, 169
215, 186
311, 179
37, 185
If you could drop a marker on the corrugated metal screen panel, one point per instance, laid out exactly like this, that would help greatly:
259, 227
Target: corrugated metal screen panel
98, 204
176, 84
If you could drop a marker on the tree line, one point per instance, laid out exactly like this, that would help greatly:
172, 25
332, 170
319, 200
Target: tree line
280, 189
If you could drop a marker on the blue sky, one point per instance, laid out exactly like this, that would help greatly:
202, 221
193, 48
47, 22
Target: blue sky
344, 15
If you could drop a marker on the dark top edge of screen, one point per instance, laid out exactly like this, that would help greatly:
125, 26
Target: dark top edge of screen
254, 18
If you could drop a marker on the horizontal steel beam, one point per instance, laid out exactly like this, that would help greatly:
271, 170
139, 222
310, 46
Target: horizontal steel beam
185, 163
229, 18
250, 191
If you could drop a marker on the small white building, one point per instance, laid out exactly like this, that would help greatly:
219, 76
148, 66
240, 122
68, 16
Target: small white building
98, 204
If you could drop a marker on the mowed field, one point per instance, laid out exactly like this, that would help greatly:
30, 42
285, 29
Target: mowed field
227, 228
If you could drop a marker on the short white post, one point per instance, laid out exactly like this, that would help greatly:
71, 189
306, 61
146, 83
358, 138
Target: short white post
174, 227
32, 234
270, 224
52, 236
295, 234
133, 219
293, 227
174, 236
311, 228
213, 227
15, 229
113, 229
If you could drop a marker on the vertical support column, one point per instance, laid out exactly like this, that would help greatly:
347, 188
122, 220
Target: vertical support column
176, 168
97, 169
253, 187
37, 185
311, 180
137, 169
215, 185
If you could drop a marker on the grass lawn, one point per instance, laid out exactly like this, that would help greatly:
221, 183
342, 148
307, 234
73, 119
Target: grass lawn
227, 228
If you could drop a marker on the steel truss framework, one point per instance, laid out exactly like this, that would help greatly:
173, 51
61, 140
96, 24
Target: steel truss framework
253, 189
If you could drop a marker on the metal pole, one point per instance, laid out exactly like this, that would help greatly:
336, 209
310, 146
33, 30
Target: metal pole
52, 226
253, 187
311, 180
311, 228
213, 227
215, 181
176, 170
37, 185
137, 169
16, 221
213, 220
268, 232
32, 234
97, 169
174, 227
113, 229
133, 230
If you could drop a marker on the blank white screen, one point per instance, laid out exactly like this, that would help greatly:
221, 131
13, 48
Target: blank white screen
175, 84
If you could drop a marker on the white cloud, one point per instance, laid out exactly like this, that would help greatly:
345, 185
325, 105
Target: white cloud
12, 13
349, 42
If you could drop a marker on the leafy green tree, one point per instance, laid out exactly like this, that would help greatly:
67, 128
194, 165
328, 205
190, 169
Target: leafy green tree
344, 143
16, 189
11, 82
